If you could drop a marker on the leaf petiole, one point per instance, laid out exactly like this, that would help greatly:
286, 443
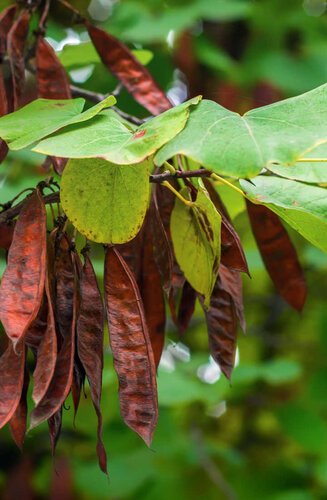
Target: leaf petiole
311, 159
227, 183
169, 167
176, 193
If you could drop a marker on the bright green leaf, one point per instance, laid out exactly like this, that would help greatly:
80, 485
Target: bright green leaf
43, 117
302, 206
105, 202
241, 146
195, 233
107, 138
313, 172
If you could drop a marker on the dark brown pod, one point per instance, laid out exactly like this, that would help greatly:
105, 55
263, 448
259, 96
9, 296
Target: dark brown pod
16, 43
131, 347
152, 296
90, 326
134, 76
278, 255
6, 20
232, 253
51, 77
186, 307
65, 313
17, 423
22, 284
222, 329
231, 282
12, 365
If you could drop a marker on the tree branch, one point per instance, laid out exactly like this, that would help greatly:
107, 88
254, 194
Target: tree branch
12, 212
166, 176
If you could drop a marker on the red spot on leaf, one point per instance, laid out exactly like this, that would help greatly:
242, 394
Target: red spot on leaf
295, 203
138, 135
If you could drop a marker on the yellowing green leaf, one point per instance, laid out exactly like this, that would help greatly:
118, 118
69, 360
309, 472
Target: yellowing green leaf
195, 232
105, 202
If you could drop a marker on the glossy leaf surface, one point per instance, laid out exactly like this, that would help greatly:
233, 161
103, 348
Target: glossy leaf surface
43, 117
108, 138
240, 146
106, 202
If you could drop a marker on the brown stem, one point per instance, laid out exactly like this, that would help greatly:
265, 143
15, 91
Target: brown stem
11, 213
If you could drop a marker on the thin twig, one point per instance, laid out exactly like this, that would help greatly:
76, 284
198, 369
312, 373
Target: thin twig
97, 97
166, 176
12, 212
87, 94
209, 465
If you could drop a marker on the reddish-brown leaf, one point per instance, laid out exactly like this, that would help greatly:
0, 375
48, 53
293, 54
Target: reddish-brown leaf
54, 426
186, 307
22, 285
46, 351
66, 303
151, 293
52, 79
16, 43
64, 272
12, 364
232, 253
133, 75
131, 346
278, 255
17, 424
6, 235
6, 20
165, 203
90, 343
222, 328
132, 254
162, 248
231, 282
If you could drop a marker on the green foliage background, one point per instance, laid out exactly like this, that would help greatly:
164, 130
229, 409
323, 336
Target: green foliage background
266, 436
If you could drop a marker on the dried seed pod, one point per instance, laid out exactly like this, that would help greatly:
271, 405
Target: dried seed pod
278, 255
90, 325
133, 75
16, 43
24, 276
131, 346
